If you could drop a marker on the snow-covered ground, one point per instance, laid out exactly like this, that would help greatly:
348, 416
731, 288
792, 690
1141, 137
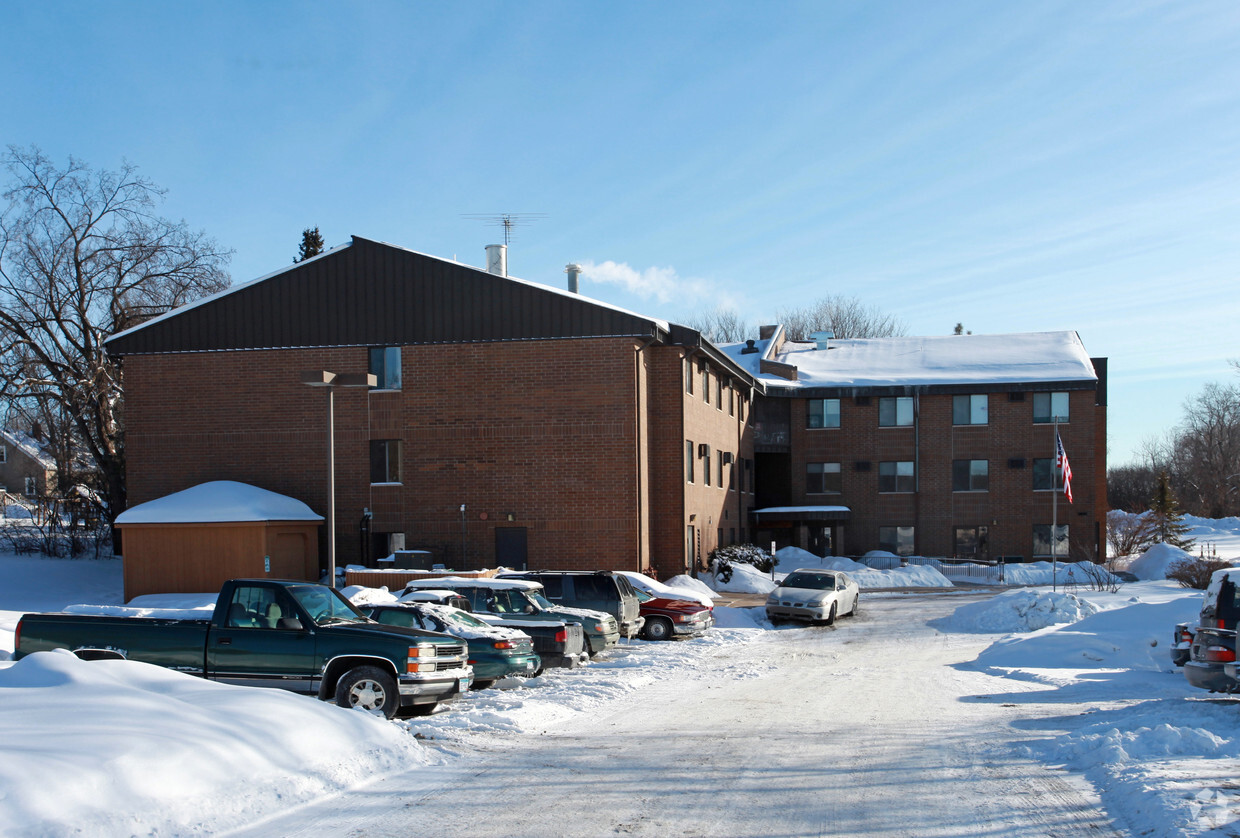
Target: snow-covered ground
120, 748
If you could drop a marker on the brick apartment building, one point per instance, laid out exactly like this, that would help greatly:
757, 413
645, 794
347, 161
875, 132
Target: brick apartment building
512, 423
519, 424
935, 446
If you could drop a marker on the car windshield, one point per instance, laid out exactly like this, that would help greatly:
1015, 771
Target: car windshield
325, 605
816, 581
539, 600
460, 618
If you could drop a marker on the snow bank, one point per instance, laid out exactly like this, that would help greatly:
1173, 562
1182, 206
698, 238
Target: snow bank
691, 585
145, 744
1019, 611
1156, 561
1118, 640
911, 576
1130, 752
746, 579
1081, 574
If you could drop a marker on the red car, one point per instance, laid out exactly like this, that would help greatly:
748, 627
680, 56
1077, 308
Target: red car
668, 618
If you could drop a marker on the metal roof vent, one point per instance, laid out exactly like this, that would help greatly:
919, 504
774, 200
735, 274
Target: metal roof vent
573, 271
497, 259
749, 347
821, 339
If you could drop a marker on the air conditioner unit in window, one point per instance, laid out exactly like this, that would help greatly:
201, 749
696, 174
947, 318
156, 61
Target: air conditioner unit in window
703, 449
727, 457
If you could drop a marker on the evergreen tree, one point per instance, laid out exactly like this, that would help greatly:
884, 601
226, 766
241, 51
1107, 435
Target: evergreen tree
1166, 520
311, 245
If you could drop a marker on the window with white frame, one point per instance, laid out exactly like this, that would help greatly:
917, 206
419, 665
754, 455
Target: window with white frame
973, 409
895, 412
1050, 407
822, 478
690, 458
4, 453
896, 476
32, 486
970, 475
822, 413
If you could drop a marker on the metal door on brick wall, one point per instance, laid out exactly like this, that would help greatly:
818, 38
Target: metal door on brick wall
510, 549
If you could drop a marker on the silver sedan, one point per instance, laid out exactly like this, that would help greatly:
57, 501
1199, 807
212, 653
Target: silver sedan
814, 595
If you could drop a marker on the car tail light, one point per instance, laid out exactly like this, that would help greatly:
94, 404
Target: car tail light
561, 636
504, 644
17, 636
1186, 636
1222, 624
1219, 654
421, 659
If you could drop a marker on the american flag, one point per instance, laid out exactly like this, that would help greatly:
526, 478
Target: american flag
1061, 463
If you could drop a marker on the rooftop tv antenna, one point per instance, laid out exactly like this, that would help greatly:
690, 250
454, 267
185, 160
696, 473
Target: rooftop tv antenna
508, 220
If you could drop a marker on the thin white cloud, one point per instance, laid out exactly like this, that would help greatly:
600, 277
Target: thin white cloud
663, 284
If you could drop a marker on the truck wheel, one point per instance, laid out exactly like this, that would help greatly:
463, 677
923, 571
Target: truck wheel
657, 628
369, 688
831, 616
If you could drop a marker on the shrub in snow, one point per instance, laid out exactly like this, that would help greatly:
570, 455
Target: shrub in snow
1195, 573
722, 559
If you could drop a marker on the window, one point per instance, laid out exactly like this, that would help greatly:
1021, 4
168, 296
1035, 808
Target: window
732, 397
719, 457
970, 475
32, 486
1042, 473
970, 410
1047, 407
689, 460
689, 376
705, 452
705, 384
4, 453
823, 413
385, 366
973, 542
1042, 540
719, 392
896, 476
385, 461
822, 478
898, 540
895, 412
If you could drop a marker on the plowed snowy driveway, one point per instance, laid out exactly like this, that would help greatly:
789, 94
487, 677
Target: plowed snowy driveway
861, 729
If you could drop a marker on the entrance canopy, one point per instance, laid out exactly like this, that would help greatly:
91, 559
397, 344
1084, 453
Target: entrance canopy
802, 514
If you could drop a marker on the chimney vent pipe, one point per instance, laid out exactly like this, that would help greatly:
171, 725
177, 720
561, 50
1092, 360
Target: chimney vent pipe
573, 271
497, 259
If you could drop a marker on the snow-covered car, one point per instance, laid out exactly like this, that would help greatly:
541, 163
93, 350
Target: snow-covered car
814, 595
494, 652
659, 590
1212, 647
668, 618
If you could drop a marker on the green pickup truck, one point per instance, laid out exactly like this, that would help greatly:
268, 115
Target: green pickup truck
269, 633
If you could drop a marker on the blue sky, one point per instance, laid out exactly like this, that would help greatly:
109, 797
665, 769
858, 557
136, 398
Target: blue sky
1010, 166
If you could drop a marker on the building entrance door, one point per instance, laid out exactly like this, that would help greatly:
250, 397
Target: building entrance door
510, 547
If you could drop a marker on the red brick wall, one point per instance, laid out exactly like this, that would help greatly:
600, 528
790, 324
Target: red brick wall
543, 431
1010, 507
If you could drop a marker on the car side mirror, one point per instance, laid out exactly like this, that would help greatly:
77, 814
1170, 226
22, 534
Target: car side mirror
291, 623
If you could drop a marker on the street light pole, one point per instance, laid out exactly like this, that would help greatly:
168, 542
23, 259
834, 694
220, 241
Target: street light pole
330, 381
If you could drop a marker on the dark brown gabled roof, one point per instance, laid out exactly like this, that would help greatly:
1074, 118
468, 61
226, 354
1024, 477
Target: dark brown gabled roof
368, 293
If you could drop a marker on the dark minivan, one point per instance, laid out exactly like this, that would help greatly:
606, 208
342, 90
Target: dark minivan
598, 590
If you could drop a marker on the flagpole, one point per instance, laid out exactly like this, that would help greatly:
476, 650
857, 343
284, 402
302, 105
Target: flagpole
1055, 510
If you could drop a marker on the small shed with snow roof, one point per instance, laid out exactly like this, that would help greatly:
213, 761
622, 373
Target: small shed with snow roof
194, 540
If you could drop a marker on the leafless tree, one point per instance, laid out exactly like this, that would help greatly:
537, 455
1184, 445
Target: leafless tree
82, 255
1207, 452
722, 325
1128, 533
847, 317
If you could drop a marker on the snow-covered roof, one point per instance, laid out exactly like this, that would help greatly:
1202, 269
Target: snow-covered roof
217, 502
922, 361
29, 446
